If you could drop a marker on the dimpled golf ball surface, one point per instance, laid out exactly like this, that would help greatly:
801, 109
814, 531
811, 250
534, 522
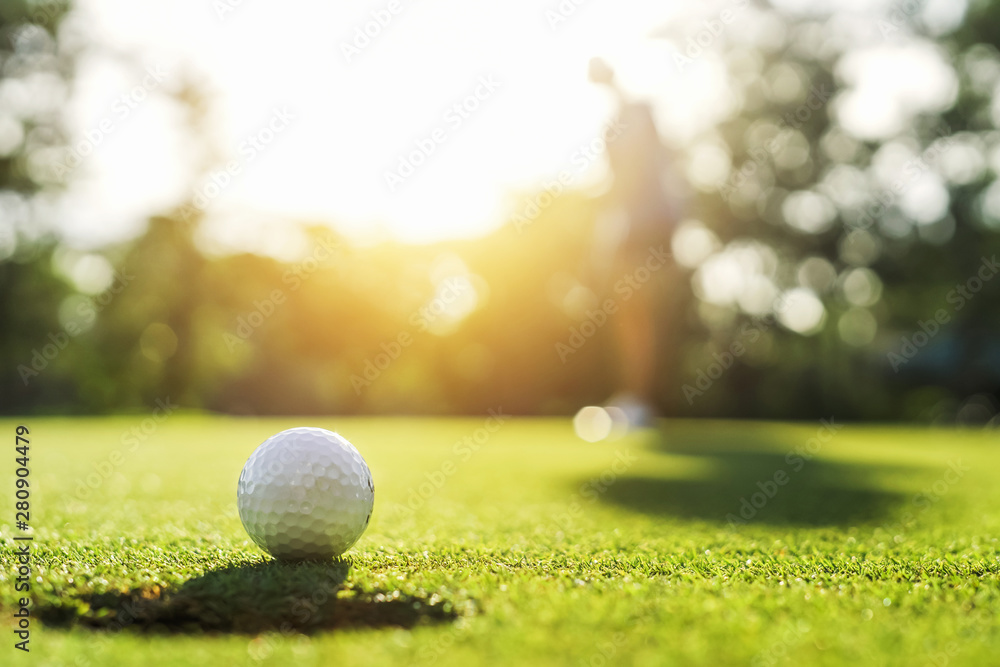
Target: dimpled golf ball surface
305, 494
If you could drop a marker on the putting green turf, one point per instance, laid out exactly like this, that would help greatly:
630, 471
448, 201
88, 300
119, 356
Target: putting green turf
536, 548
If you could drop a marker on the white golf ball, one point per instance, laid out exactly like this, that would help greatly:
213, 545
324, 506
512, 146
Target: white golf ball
305, 494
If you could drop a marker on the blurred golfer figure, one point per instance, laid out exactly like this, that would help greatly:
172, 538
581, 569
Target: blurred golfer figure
631, 240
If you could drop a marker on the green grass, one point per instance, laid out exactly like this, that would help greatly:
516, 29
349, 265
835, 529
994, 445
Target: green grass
537, 548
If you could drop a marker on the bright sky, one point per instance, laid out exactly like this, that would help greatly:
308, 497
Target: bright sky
313, 130
352, 121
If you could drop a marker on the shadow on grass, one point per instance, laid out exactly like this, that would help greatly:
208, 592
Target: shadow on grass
251, 599
742, 484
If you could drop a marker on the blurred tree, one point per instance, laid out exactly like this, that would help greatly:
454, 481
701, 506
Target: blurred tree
35, 70
850, 235
823, 248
